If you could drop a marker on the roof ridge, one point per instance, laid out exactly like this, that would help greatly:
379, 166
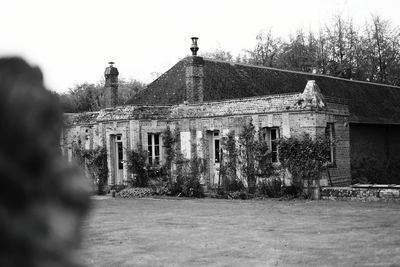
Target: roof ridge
300, 72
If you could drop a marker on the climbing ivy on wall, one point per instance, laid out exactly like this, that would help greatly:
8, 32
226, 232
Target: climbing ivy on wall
229, 164
186, 177
247, 152
169, 143
95, 162
190, 175
305, 158
254, 156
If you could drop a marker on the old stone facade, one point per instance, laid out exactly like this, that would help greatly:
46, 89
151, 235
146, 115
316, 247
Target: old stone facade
132, 125
205, 99
123, 128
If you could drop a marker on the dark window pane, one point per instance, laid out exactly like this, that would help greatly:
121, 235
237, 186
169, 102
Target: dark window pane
274, 147
216, 142
157, 139
274, 156
329, 133
156, 151
273, 134
120, 156
149, 139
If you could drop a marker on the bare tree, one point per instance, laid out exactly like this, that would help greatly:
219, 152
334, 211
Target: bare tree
218, 54
382, 51
322, 54
300, 53
267, 49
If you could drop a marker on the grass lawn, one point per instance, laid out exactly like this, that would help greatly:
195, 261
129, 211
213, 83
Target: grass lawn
210, 232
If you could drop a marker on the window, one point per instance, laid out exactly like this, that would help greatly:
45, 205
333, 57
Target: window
216, 147
153, 148
271, 135
119, 152
329, 133
120, 156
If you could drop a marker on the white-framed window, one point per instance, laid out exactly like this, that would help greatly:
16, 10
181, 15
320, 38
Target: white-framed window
271, 136
154, 148
330, 135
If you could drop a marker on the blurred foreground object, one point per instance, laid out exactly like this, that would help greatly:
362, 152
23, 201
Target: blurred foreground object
42, 200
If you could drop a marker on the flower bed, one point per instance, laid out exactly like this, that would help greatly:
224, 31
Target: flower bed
134, 192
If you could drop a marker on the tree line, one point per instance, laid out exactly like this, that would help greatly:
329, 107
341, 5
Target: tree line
91, 97
340, 49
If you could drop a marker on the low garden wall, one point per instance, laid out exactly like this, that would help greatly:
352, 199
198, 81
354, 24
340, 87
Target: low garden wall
362, 192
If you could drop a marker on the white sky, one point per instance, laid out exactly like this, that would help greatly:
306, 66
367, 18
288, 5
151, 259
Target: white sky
72, 41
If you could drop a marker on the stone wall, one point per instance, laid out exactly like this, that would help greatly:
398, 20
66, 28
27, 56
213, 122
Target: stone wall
361, 193
197, 121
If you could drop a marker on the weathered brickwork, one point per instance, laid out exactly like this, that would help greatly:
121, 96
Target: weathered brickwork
194, 80
198, 122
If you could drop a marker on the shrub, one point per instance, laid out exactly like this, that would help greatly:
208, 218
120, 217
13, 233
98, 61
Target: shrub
138, 167
239, 195
265, 167
305, 158
235, 185
175, 187
188, 176
117, 187
292, 190
192, 188
270, 188
157, 174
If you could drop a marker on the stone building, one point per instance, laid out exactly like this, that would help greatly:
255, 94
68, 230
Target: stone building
206, 98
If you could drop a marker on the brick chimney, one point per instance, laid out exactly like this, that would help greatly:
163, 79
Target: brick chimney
194, 75
111, 85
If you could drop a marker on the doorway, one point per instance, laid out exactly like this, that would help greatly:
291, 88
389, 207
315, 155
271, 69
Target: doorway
214, 156
118, 158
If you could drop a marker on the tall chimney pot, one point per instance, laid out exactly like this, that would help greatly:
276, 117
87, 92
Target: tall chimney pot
194, 48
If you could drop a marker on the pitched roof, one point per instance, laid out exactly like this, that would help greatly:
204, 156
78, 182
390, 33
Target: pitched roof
168, 89
368, 102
